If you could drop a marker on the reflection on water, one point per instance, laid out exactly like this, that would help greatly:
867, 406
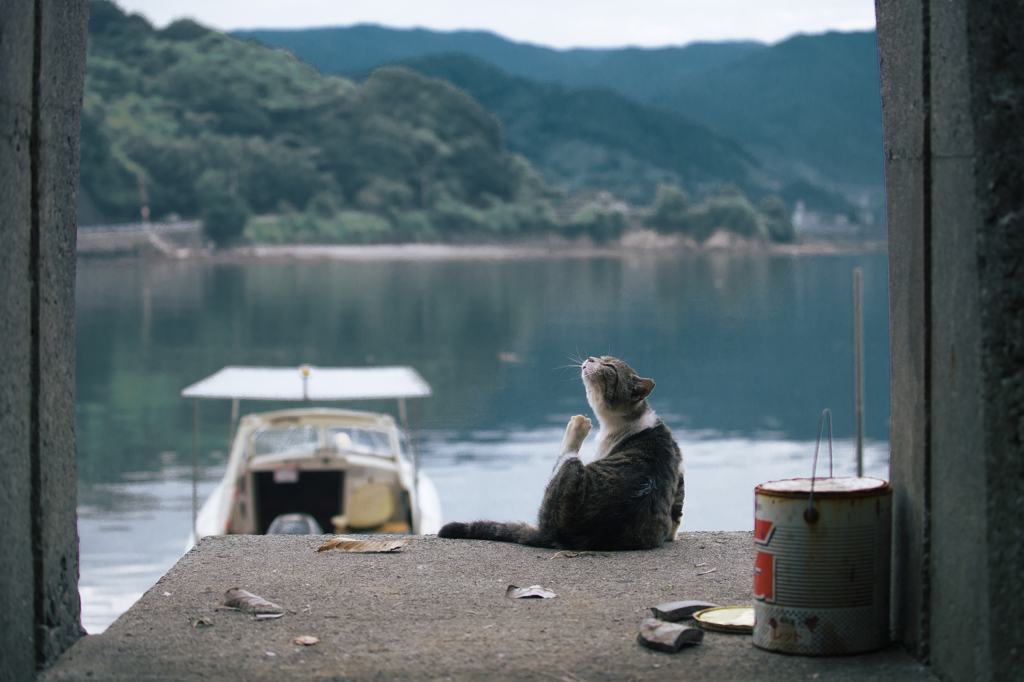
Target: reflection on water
130, 534
745, 350
508, 482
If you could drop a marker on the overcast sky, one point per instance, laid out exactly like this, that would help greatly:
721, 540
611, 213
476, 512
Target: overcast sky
556, 23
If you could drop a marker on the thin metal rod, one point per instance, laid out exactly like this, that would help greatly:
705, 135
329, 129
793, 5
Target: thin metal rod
403, 415
195, 466
416, 443
811, 515
234, 420
858, 367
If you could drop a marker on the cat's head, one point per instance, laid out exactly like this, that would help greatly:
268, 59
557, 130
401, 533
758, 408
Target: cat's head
614, 389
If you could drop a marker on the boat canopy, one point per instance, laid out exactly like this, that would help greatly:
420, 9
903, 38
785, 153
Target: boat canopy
310, 383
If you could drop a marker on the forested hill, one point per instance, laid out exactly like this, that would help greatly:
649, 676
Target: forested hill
580, 138
635, 72
190, 121
262, 146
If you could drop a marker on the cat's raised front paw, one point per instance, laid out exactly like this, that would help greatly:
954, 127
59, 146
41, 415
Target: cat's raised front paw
575, 433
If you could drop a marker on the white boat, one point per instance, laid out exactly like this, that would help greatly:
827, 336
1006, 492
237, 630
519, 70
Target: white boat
317, 469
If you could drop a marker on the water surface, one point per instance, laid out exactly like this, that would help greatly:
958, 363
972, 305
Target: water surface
746, 351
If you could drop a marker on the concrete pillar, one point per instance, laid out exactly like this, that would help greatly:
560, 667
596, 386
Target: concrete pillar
953, 111
42, 60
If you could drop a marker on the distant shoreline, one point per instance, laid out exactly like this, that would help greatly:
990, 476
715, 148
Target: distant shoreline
639, 243
428, 252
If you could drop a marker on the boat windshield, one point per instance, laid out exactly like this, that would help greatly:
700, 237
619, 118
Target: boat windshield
403, 444
292, 439
359, 439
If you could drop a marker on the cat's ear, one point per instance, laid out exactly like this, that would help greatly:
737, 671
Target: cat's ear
642, 388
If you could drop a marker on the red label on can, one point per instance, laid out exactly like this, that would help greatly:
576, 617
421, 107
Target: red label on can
763, 531
764, 577
764, 565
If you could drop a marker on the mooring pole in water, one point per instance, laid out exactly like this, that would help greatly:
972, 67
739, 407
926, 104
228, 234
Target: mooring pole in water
195, 466
858, 367
416, 443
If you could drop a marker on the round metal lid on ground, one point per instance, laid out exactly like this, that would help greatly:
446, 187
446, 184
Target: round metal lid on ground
737, 620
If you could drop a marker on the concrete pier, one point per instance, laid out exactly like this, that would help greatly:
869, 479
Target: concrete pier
437, 610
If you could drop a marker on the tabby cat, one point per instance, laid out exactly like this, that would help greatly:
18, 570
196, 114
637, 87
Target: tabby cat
630, 497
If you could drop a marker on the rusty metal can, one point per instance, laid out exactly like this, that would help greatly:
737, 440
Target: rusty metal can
821, 577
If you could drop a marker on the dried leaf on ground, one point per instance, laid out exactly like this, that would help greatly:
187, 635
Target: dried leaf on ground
201, 622
306, 640
363, 546
675, 611
670, 637
237, 598
531, 592
566, 554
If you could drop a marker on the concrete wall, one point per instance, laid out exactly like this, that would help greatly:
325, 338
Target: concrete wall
953, 111
995, 31
42, 60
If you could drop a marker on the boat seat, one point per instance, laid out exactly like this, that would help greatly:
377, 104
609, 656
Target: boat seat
371, 505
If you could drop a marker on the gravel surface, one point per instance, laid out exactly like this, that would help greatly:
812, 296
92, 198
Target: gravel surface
437, 609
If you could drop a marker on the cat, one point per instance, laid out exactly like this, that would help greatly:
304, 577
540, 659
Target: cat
630, 497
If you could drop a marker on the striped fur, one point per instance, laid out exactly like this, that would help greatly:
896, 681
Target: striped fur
630, 497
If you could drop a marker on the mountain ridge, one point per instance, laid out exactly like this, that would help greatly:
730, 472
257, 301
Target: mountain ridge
840, 93
623, 69
596, 138
785, 102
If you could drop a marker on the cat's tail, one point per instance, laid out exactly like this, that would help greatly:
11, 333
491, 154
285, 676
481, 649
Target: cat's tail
522, 533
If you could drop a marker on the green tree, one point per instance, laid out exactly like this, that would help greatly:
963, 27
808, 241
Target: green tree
112, 186
224, 213
777, 219
729, 210
224, 217
671, 211
599, 224
323, 205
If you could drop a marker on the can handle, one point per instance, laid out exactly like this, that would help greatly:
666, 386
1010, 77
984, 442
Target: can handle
811, 515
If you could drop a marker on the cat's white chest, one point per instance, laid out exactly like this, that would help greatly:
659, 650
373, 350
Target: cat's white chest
608, 438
